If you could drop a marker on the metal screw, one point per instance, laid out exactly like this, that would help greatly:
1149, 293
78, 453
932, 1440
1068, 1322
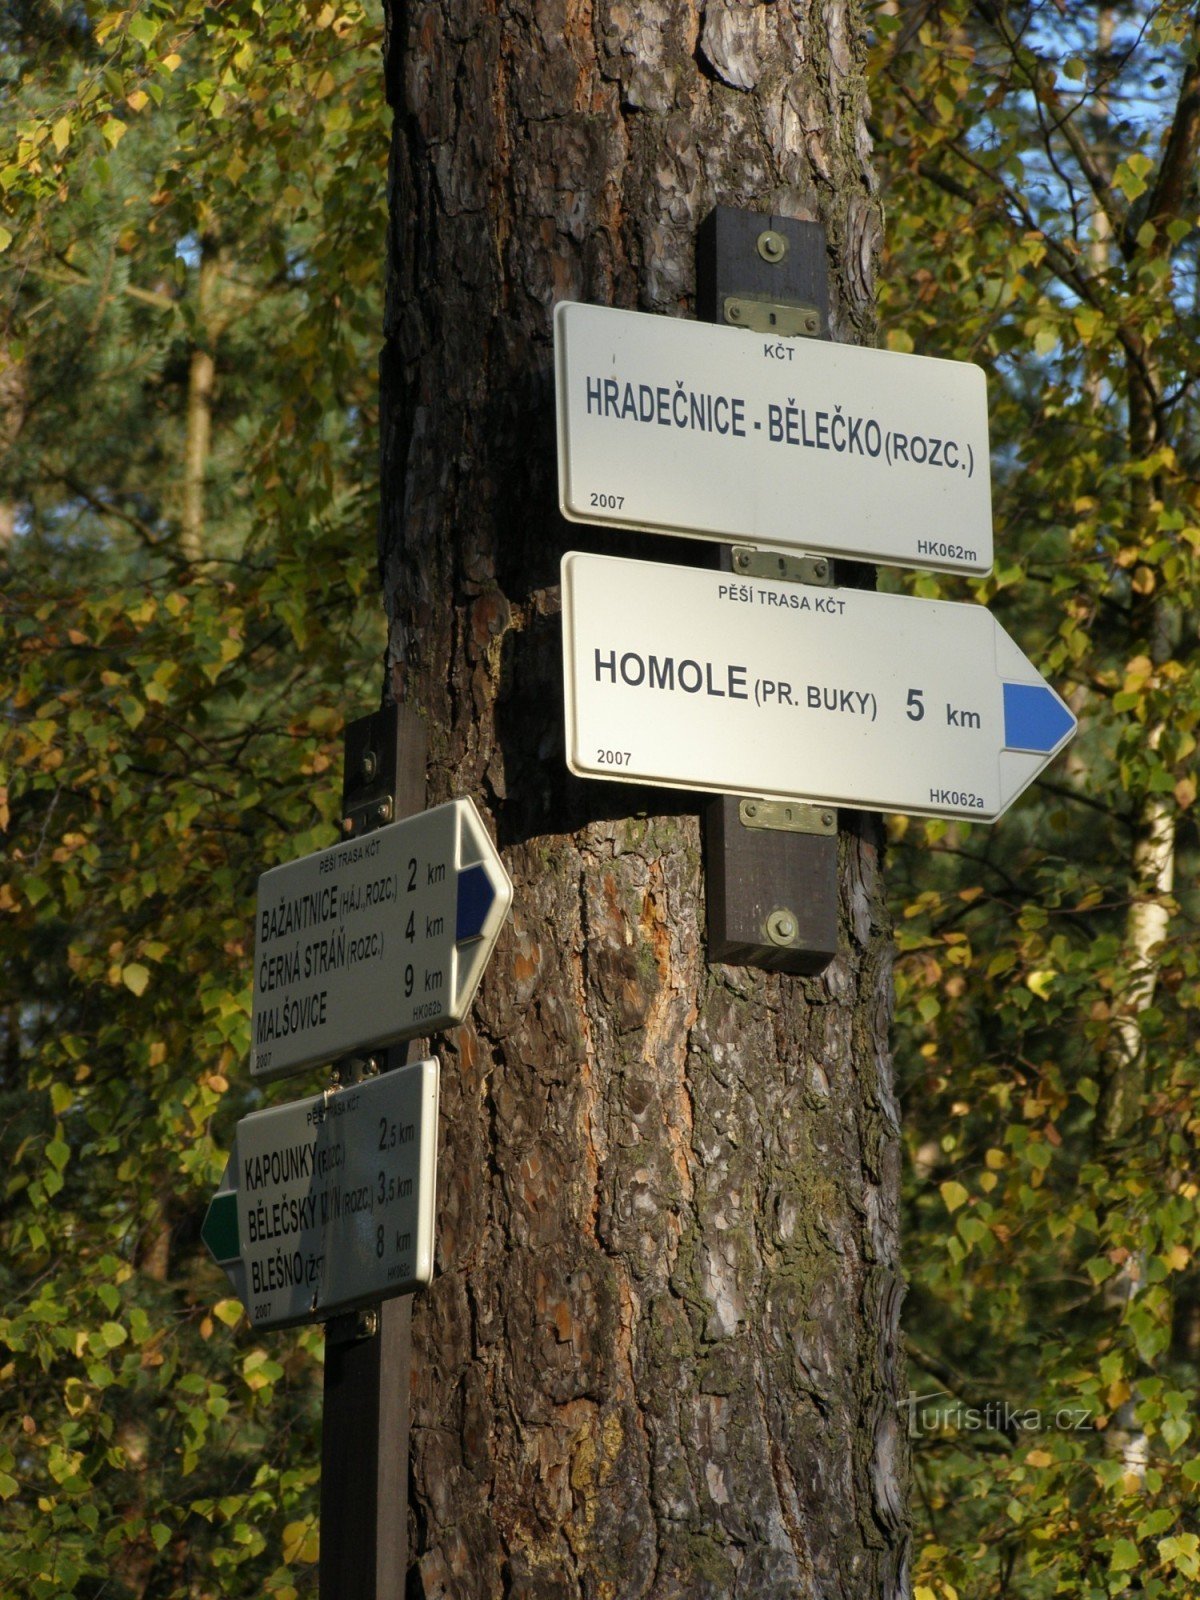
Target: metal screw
371, 1067
827, 819
368, 1324
772, 246
734, 312
811, 324
347, 824
370, 765
384, 810
821, 568
335, 1075
742, 559
750, 808
781, 927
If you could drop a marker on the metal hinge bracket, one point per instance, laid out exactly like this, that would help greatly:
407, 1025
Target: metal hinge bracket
752, 563
787, 816
761, 314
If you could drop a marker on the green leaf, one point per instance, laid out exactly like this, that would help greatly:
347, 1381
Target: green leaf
135, 977
1125, 1556
1130, 176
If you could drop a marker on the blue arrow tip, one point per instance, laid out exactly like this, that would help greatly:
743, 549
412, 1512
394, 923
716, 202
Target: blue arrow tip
475, 899
1035, 718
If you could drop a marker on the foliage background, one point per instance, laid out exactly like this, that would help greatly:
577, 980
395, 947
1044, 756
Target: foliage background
191, 250
1040, 164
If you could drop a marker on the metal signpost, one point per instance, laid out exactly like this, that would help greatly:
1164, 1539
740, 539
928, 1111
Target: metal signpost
380, 938
328, 1203
705, 680
693, 428
326, 1208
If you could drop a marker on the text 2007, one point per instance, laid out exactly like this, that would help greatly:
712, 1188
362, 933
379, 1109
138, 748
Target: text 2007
608, 502
612, 758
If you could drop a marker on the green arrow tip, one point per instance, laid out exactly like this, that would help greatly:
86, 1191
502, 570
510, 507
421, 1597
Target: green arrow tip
220, 1229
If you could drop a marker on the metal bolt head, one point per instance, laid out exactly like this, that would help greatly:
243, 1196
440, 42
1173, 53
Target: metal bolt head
347, 824
751, 808
827, 818
820, 568
772, 246
735, 313
742, 559
369, 765
384, 810
782, 927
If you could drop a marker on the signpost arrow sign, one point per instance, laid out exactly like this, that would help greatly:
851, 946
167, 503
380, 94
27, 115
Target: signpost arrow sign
328, 1203
703, 680
381, 938
695, 428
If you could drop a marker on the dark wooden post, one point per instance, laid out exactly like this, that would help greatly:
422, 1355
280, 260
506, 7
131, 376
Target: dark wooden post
364, 1441
771, 870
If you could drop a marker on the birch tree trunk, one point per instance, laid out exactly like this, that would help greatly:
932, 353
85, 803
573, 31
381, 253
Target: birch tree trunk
661, 1356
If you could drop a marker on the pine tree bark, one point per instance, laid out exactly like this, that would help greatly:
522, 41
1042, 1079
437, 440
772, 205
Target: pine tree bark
661, 1356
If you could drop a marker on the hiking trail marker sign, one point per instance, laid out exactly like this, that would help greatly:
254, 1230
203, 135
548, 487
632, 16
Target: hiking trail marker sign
696, 679
376, 939
702, 429
328, 1203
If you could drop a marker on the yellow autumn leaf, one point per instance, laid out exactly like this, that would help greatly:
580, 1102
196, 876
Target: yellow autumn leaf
172, 61
1040, 983
1039, 1458
6, 238
1185, 792
324, 86
61, 134
137, 100
300, 1542
1177, 1257
953, 1194
135, 977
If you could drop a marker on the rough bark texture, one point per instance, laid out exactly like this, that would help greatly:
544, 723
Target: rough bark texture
661, 1355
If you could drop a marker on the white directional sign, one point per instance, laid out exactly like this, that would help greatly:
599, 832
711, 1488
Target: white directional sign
695, 428
377, 939
702, 680
328, 1203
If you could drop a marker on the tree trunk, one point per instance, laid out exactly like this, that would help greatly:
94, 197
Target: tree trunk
202, 372
661, 1355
